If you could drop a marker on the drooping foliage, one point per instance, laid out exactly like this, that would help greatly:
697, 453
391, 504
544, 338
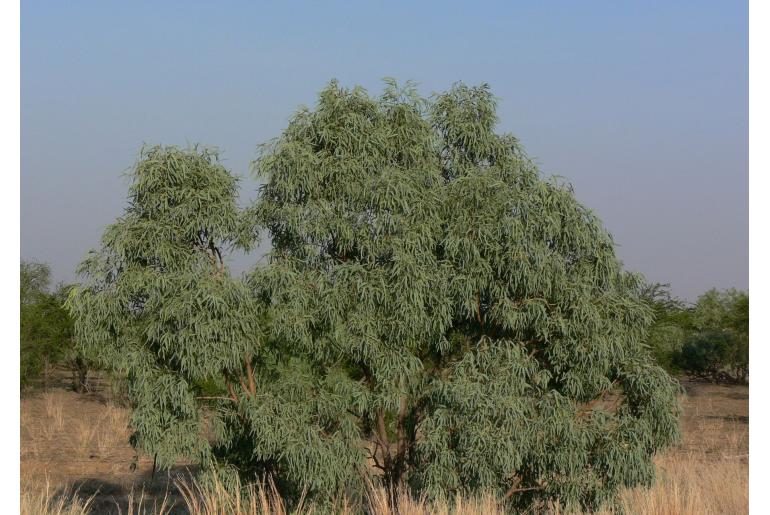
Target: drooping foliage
474, 312
159, 306
433, 313
205, 380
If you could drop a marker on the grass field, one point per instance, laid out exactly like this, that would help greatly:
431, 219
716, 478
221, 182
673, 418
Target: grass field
75, 459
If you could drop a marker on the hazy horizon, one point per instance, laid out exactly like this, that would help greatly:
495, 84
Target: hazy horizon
642, 107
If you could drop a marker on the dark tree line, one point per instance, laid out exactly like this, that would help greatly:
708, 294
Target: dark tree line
46, 328
707, 340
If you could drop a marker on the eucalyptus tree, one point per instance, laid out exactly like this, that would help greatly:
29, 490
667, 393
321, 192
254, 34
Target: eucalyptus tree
38, 346
466, 318
433, 313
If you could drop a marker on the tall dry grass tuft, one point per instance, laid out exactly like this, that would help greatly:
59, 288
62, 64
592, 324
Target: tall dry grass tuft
687, 485
140, 504
44, 501
380, 502
52, 401
254, 499
264, 499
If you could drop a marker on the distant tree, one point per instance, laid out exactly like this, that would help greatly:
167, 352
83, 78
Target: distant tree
70, 355
45, 326
35, 279
705, 354
719, 346
672, 324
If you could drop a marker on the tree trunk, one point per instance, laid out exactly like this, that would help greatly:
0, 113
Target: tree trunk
46, 367
79, 375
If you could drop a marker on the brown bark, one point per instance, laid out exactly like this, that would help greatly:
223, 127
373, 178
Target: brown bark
586, 408
230, 389
250, 372
382, 435
478, 308
401, 430
516, 489
513, 490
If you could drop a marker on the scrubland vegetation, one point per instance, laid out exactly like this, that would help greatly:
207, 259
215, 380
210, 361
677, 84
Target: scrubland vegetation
707, 340
437, 328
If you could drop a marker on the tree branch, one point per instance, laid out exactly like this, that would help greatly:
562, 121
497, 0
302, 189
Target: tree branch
514, 489
478, 308
230, 388
602, 396
401, 430
383, 433
250, 372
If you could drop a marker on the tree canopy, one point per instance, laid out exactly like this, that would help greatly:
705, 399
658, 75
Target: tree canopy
159, 305
433, 312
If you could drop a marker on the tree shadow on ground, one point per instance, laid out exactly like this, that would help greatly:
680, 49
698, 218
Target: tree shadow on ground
145, 495
730, 418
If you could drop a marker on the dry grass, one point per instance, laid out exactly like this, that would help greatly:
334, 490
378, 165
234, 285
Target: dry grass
693, 486
44, 500
67, 439
708, 473
257, 499
404, 504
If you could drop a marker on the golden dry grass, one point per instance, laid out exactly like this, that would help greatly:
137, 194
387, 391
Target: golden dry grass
693, 486
708, 473
68, 439
44, 500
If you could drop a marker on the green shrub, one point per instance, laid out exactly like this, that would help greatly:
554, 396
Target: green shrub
705, 354
718, 345
45, 326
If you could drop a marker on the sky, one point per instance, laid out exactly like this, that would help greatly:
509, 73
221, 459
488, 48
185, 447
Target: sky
641, 105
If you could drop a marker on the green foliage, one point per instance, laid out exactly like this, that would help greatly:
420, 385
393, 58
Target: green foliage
671, 327
45, 326
433, 312
708, 340
35, 280
704, 354
159, 305
478, 311
719, 346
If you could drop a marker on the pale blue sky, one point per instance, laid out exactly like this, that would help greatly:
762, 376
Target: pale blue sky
643, 106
